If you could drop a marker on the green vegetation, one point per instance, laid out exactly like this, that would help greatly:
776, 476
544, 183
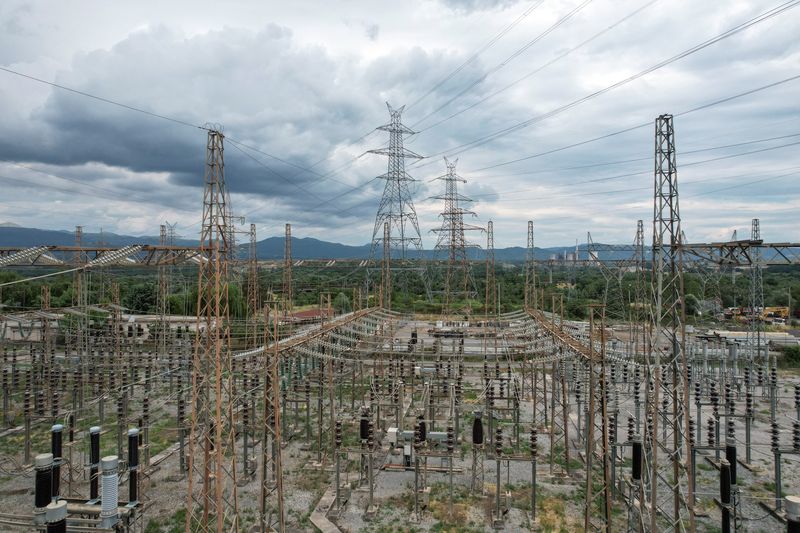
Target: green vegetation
578, 287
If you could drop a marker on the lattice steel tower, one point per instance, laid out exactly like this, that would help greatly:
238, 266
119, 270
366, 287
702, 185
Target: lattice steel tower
397, 207
530, 271
253, 292
212, 503
288, 294
458, 281
756, 332
669, 483
490, 304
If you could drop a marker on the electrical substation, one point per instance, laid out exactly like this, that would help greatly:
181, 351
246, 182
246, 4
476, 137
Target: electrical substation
376, 416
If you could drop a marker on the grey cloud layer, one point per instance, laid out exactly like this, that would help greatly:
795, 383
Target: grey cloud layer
305, 102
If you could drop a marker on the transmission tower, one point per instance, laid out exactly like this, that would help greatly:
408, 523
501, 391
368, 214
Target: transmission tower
386, 271
288, 295
253, 299
756, 331
669, 479
490, 307
163, 293
271, 517
458, 282
79, 292
530, 271
212, 503
397, 207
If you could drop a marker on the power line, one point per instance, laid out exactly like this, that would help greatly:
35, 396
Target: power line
553, 112
643, 124
649, 187
542, 67
563, 20
475, 55
154, 115
640, 159
104, 100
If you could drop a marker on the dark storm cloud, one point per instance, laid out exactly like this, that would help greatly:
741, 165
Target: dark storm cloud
306, 96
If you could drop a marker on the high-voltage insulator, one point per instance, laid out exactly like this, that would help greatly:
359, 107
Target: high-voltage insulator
612, 428
774, 436
731, 433
370, 433
631, 428
534, 443
710, 434
56, 448
133, 464
110, 491
773, 376
423, 434
338, 433
689, 372
363, 428
43, 464
94, 462
477, 429
748, 400
796, 435
450, 439
698, 393
636, 471
714, 395
56, 517
498, 441
692, 432
797, 396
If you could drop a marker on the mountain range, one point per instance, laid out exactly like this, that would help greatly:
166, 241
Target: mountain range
12, 235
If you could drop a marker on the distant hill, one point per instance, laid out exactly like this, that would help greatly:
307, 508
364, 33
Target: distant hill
269, 248
25, 237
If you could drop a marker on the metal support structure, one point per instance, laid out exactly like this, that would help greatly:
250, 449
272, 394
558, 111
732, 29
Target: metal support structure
212, 503
459, 284
288, 294
667, 450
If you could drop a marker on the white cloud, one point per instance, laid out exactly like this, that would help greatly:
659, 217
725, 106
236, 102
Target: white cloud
303, 80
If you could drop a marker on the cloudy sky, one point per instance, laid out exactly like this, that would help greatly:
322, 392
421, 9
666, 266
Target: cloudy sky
548, 105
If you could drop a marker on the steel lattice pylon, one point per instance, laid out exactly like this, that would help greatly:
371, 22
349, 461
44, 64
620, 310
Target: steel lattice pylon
288, 293
386, 271
668, 481
755, 333
271, 517
490, 306
253, 292
397, 207
212, 503
597, 507
530, 271
458, 282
